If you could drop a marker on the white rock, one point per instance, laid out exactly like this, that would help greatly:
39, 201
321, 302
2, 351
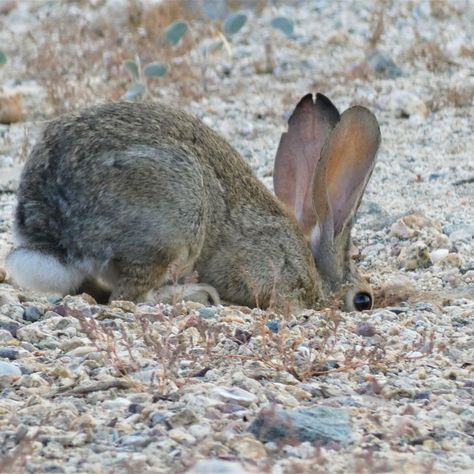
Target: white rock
404, 103
9, 373
81, 351
400, 230
439, 255
181, 435
234, 394
216, 466
116, 404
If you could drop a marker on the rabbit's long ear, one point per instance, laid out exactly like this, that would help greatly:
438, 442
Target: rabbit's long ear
347, 161
298, 154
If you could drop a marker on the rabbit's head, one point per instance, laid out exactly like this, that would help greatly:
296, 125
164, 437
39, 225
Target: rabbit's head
322, 167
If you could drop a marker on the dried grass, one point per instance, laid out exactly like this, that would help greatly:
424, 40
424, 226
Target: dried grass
429, 54
64, 54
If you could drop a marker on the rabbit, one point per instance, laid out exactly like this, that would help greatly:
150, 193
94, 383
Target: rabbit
119, 196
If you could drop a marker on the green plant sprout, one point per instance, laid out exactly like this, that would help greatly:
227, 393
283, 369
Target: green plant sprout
173, 35
221, 38
175, 32
284, 24
234, 23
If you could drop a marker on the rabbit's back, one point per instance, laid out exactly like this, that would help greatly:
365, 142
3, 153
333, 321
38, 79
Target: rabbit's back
99, 179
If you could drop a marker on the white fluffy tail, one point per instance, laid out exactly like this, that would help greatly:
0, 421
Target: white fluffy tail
40, 271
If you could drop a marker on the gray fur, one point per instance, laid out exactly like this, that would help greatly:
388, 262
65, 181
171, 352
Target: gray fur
142, 190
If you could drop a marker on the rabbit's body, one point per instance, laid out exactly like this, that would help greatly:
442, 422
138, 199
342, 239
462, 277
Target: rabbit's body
128, 192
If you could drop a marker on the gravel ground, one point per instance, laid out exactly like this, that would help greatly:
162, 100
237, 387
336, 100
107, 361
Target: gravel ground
199, 389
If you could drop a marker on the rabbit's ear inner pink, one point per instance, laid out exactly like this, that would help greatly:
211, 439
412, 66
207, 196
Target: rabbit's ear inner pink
298, 155
347, 161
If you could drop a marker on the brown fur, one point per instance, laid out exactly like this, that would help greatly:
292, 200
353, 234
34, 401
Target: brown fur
136, 188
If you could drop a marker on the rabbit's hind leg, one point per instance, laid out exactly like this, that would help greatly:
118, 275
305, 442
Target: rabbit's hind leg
96, 289
42, 268
135, 279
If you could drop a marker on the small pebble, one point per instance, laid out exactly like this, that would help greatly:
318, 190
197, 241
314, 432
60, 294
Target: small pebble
157, 418
274, 326
248, 447
366, 329
242, 336
81, 351
55, 299
415, 256
11, 326
217, 466
8, 373
439, 255
383, 65
321, 424
181, 436
8, 353
464, 230
135, 408
235, 395
207, 312
32, 314
184, 417
424, 395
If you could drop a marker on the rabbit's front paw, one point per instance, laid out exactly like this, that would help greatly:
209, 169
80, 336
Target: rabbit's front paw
197, 292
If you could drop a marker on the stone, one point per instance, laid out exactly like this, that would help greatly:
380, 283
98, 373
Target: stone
8, 353
273, 325
81, 351
316, 424
157, 418
7, 297
207, 312
6, 337
200, 430
55, 299
234, 395
182, 418
247, 447
6, 324
383, 65
116, 404
49, 342
466, 230
9, 373
415, 256
181, 436
405, 104
32, 314
400, 230
216, 466
439, 255
13, 311
365, 329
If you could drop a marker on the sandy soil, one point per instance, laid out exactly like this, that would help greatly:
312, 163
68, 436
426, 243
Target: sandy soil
178, 388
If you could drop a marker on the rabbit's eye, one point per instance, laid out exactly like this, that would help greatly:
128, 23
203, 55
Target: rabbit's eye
362, 301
